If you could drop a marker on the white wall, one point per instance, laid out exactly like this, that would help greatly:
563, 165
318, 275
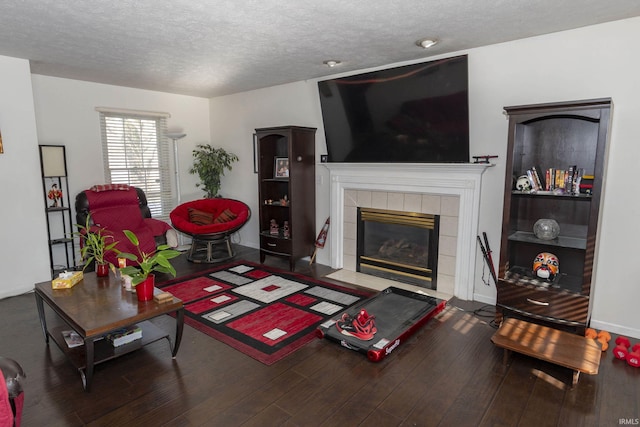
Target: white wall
234, 119
591, 62
24, 256
66, 115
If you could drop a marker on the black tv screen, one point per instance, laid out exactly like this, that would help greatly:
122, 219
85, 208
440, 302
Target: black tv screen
416, 113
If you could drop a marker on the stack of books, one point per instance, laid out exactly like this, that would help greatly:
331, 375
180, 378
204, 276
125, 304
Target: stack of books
567, 181
586, 184
124, 336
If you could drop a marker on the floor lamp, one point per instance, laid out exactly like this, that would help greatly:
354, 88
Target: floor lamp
175, 136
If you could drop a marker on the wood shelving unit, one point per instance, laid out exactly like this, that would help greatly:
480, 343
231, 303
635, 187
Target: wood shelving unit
559, 135
287, 196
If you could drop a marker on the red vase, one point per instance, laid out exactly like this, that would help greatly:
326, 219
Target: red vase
144, 290
102, 270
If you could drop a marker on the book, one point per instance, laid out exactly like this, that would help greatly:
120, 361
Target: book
577, 179
559, 178
125, 335
532, 181
569, 179
72, 339
536, 177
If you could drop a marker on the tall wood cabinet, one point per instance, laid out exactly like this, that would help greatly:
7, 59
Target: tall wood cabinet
287, 198
565, 143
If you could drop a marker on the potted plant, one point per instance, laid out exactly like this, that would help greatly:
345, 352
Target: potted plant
210, 163
142, 277
96, 243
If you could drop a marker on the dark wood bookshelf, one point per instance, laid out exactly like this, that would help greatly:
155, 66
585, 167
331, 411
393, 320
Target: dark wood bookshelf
297, 145
565, 136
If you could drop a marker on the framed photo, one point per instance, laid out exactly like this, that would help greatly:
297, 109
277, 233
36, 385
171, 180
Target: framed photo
281, 167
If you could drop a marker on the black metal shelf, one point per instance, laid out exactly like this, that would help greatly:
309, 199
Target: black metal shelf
60, 241
53, 157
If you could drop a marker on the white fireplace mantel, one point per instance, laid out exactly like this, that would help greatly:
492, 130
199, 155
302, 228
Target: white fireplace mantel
453, 179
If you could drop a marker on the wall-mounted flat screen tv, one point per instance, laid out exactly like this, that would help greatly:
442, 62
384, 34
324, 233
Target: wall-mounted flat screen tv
416, 113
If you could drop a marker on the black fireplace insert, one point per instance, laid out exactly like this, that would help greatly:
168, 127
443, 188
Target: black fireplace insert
398, 245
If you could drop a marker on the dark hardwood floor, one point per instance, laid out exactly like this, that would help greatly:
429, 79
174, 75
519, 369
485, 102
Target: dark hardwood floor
448, 374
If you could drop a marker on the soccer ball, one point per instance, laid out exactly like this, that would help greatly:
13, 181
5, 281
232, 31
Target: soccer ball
523, 183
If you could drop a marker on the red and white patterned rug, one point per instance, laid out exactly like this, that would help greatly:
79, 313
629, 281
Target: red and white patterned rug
263, 312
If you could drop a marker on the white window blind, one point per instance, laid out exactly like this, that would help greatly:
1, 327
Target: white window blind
135, 152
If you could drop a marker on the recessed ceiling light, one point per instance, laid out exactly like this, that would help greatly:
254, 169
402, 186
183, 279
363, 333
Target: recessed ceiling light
331, 63
426, 43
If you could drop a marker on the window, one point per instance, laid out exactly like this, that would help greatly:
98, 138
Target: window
135, 152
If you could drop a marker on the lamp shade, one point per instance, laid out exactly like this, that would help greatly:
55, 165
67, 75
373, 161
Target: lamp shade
175, 135
52, 157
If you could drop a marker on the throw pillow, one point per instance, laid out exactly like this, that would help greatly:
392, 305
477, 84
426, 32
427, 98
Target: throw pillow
110, 187
225, 216
199, 217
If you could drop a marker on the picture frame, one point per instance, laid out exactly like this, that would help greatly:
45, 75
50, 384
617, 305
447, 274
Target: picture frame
281, 167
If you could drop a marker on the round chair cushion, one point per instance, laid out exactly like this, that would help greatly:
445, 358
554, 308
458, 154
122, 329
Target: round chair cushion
214, 209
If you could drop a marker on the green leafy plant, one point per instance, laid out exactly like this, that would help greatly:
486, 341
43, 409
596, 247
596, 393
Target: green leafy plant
147, 263
210, 163
96, 243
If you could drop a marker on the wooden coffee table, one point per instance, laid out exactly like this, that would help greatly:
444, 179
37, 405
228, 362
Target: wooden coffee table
99, 305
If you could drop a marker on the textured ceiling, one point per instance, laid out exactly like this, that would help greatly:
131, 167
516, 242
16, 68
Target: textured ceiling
216, 47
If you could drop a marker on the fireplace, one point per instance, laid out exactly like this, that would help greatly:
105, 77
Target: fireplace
449, 190
398, 245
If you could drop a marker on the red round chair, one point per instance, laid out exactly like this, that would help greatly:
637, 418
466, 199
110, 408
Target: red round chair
210, 223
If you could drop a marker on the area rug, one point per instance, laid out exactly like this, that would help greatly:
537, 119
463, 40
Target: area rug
263, 312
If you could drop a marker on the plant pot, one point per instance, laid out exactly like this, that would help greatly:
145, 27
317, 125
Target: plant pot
102, 270
144, 290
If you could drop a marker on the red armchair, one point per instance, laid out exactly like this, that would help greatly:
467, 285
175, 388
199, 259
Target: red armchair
210, 223
118, 207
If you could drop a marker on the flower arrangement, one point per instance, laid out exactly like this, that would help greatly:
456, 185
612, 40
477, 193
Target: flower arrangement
54, 194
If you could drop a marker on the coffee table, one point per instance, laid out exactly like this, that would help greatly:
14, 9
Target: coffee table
99, 305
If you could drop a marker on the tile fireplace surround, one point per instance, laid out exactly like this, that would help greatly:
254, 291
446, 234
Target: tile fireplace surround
451, 190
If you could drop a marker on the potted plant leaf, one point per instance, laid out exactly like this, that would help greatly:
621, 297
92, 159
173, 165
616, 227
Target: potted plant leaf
95, 244
210, 163
142, 277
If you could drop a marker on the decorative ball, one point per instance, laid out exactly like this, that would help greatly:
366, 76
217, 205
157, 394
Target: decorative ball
523, 183
546, 266
546, 229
